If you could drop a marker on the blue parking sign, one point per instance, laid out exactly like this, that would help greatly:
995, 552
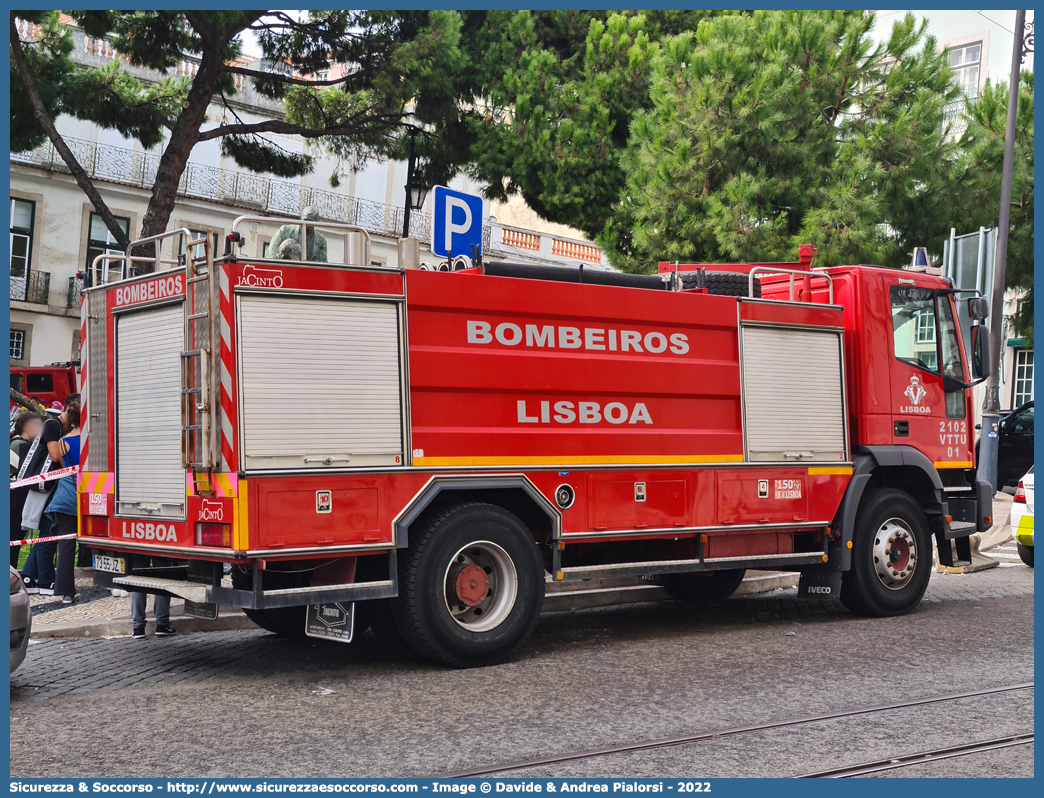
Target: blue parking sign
458, 223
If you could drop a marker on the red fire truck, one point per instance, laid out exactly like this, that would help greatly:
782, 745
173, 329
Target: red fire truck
433, 447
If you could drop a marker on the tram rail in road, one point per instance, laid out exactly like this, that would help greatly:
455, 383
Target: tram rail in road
870, 767
920, 758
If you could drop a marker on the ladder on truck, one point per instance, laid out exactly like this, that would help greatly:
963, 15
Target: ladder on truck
200, 363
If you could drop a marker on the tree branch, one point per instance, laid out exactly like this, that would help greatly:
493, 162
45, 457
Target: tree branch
253, 73
45, 122
288, 128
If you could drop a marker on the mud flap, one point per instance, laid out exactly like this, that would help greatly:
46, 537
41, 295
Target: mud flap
332, 621
820, 584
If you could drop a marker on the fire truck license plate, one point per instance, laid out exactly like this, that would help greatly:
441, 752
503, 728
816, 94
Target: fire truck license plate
111, 565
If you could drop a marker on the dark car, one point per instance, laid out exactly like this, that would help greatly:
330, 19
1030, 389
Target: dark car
1015, 450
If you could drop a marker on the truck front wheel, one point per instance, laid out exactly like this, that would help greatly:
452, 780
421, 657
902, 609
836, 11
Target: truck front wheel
891, 556
471, 586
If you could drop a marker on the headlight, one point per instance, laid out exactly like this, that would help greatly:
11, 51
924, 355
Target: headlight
16, 583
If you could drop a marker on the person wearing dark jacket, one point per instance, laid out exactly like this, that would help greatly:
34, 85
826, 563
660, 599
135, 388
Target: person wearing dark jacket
27, 428
44, 454
62, 507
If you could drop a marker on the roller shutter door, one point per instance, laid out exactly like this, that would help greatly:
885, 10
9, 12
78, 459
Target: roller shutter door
149, 473
320, 383
793, 395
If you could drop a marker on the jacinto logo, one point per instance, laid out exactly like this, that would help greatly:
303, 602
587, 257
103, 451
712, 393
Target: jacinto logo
253, 277
211, 511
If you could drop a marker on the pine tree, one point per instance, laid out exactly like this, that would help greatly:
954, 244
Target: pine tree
790, 127
555, 94
395, 62
975, 192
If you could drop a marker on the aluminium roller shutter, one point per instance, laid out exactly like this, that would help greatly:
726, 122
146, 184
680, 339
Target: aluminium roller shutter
149, 472
319, 383
793, 395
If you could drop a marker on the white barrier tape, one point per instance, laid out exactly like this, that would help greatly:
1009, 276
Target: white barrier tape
30, 541
61, 472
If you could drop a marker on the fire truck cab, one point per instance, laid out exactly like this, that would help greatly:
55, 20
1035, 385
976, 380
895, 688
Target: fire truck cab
431, 448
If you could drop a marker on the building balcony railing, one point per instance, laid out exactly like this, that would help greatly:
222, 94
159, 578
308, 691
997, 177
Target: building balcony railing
75, 287
237, 189
36, 289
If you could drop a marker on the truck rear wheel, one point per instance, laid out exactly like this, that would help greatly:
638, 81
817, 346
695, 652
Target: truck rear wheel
471, 586
707, 586
283, 621
891, 556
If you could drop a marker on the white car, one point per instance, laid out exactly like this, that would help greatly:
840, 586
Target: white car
1022, 518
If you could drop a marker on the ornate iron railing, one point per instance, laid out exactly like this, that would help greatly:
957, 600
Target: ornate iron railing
36, 289
75, 287
229, 187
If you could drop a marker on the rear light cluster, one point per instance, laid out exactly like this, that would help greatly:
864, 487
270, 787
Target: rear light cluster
95, 526
217, 535
1020, 494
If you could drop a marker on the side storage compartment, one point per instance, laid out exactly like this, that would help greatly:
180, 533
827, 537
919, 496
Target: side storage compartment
320, 383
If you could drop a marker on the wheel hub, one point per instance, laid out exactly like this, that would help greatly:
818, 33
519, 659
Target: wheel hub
895, 554
481, 585
472, 585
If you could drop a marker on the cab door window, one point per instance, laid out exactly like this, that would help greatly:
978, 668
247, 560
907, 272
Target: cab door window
920, 318
913, 327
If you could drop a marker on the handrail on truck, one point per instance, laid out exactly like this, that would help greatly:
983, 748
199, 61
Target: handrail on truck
304, 224
793, 273
125, 258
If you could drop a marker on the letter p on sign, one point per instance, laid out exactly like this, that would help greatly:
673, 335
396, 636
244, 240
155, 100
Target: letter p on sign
458, 223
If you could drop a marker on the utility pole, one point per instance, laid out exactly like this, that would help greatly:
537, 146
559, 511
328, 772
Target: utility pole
988, 445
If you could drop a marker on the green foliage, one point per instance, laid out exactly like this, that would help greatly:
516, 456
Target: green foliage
52, 67
790, 127
393, 63
975, 192
556, 93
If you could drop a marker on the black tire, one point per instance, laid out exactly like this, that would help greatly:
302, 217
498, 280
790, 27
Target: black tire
1025, 554
706, 586
722, 283
284, 621
892, 537
469, 539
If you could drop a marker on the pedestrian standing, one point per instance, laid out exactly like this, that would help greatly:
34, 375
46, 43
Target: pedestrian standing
62, 507
38, 572
162, 608
27, 428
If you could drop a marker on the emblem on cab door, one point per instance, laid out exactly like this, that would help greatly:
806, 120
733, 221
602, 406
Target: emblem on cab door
324, 501
915, 390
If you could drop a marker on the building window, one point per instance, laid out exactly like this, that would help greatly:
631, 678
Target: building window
23, 215
925, 333
1022, 385
100, 242
197, 250
17, 344
966, 62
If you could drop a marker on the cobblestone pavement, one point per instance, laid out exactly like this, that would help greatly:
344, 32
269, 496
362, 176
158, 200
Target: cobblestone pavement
247, 703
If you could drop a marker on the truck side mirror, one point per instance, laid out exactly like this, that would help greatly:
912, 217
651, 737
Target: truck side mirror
978, 308
980, 345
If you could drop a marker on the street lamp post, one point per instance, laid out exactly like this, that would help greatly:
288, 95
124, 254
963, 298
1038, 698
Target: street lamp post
414, 193
989, 442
